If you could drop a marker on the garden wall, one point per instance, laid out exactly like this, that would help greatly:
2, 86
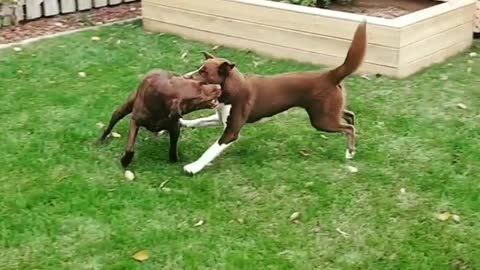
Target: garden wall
397, 47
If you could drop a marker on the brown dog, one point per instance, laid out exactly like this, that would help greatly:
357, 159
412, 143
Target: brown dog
248, 99
158, 104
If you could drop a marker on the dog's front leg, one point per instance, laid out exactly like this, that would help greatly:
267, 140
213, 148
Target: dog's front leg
132, 136
223, 111
174, 132
229, 136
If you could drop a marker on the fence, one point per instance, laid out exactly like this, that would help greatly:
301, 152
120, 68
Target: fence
13, 11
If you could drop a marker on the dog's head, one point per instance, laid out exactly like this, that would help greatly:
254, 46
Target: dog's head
194, 95
213, 70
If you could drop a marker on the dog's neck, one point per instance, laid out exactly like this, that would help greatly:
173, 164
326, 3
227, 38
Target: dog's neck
233, 83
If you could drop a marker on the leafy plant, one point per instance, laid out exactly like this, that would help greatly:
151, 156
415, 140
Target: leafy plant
315, 3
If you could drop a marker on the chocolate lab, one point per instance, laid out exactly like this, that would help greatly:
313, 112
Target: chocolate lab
158, 104
247, 99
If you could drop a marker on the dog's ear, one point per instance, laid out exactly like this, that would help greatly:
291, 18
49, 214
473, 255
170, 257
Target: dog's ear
208, 55
175, 109
224, 68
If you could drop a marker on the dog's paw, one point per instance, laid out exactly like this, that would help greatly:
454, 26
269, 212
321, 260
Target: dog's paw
193, 168
349, 154
127, 159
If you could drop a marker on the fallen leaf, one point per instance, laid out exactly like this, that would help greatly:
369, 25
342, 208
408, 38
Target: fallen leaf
341, 232
100, 125
294, 216
184, 55
469, 70
305, 153
461, 106
141, 256
241, 221
403, 191
456, 218
17, 49
199, 223
215, 47
116, 135
323, 137
95, 38
162, 132
129, 175
352, 169
118, 42
161, 34
82, 74
444, 216
309, 184
366, 77
444, 77
473, 54
166, 189
162, 185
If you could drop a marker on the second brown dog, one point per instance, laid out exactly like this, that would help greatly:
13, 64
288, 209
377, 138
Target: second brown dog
247, 99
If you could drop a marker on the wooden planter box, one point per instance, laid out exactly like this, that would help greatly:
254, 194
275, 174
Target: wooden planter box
397, 47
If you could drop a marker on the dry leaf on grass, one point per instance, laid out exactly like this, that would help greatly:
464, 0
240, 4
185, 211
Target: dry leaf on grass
469, 70
309, 184
199, 223
352, 169
366, 77
141, 256
215, 47
456, 218
95, 38
305, 153
295, 216
184, 55
461, 106
444, 77
444, 216
17, 49
82, 74
100, 125
341, 232
323, 137
403, 191
473, 54
129, 175
116, 135
162, 185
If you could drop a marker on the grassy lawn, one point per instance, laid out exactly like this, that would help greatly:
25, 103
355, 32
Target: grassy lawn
64, 203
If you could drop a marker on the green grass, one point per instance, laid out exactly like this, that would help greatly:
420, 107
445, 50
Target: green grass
64, 203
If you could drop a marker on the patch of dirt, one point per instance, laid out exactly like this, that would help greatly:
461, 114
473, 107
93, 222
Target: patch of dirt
388, 9
61, 23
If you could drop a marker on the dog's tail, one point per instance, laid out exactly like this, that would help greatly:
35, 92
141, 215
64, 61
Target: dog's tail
355, 55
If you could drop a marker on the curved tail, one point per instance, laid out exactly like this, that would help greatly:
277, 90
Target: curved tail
355, 55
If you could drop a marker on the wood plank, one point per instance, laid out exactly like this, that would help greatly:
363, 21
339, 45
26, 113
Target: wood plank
68, 6
435, 43
426, 28
33, 9
270, 50
84, 4
287, 38
114, 2
99, 3
50, 7
435, 58
282, 18
19, 11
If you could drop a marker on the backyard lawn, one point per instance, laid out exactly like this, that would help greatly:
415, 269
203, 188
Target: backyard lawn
65, 204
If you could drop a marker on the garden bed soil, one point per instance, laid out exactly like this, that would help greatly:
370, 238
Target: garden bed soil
62, 23
388, 9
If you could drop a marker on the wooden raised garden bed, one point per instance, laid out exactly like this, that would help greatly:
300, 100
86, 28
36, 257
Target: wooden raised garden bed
398, 47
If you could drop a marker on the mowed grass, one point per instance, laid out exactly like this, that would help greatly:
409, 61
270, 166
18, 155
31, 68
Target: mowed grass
64, 202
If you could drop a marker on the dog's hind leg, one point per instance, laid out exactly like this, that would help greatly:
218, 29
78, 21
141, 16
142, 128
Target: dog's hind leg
331, 123
349, 117
119, 113
132, 136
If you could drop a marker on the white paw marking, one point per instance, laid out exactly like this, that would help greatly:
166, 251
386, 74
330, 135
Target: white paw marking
349, 155
193, 168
